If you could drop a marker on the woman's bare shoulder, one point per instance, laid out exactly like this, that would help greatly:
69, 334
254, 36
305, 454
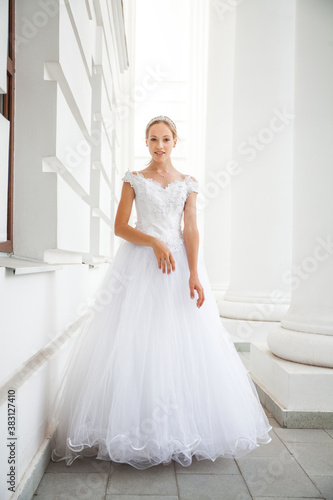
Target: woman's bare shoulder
186, 176
191, 177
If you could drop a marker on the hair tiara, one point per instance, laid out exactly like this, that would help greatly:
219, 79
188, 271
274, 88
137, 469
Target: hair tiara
161, 118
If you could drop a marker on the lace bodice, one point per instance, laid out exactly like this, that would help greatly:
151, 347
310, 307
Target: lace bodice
159, 210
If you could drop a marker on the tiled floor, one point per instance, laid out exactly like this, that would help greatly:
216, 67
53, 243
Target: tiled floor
298, 463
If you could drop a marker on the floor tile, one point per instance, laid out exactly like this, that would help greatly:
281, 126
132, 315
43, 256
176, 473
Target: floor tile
64, 486
315, 458
303, 435
324, 485
212, 487
156, 480
80, 465
274, 423
245, 360
272, 449
220, 466
139, 497
278, 477
287, 498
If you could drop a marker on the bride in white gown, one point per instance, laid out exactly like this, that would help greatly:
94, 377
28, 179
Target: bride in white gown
155, 376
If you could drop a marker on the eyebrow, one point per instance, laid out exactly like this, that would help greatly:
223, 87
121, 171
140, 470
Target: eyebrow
166, 135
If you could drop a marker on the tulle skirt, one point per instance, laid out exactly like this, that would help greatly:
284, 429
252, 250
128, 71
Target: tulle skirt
153, 378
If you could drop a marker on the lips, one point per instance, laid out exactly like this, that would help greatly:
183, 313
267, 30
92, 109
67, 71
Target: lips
159, 154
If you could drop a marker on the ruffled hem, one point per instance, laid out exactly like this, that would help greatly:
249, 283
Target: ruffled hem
151, 453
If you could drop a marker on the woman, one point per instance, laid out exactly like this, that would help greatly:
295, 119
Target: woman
156, 376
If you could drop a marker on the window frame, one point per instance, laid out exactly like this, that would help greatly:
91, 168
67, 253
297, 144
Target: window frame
8, 113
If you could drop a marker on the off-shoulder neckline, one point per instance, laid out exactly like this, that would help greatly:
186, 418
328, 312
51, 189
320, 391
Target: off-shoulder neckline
150, 179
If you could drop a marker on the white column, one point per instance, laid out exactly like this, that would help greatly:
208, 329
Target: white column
214, 198
306, 332
262, 162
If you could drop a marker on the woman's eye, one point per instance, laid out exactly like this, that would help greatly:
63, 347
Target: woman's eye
167, 140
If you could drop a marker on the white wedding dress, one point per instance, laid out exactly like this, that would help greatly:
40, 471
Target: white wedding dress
154, 378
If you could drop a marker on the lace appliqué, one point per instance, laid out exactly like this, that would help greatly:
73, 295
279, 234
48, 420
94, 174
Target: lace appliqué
159, 208
192, 186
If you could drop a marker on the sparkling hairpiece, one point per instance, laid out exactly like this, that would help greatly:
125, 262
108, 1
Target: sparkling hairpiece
163, 118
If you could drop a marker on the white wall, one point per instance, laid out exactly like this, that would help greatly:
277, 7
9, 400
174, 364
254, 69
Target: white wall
68, 164
215, 200
66, 121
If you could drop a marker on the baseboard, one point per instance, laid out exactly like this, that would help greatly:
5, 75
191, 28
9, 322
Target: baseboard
293, 419
242, 346
31, 478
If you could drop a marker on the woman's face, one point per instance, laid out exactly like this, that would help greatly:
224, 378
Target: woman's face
160, 142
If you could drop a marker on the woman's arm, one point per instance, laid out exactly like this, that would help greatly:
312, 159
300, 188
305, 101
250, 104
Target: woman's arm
191, 237
124, 230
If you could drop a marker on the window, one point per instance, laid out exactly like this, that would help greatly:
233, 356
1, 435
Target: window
7, 110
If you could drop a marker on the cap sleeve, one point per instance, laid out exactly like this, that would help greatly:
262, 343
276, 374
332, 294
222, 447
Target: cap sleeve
192, 186
129, 177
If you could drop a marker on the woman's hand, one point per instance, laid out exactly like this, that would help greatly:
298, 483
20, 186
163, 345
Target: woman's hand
196, 285
164, 257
